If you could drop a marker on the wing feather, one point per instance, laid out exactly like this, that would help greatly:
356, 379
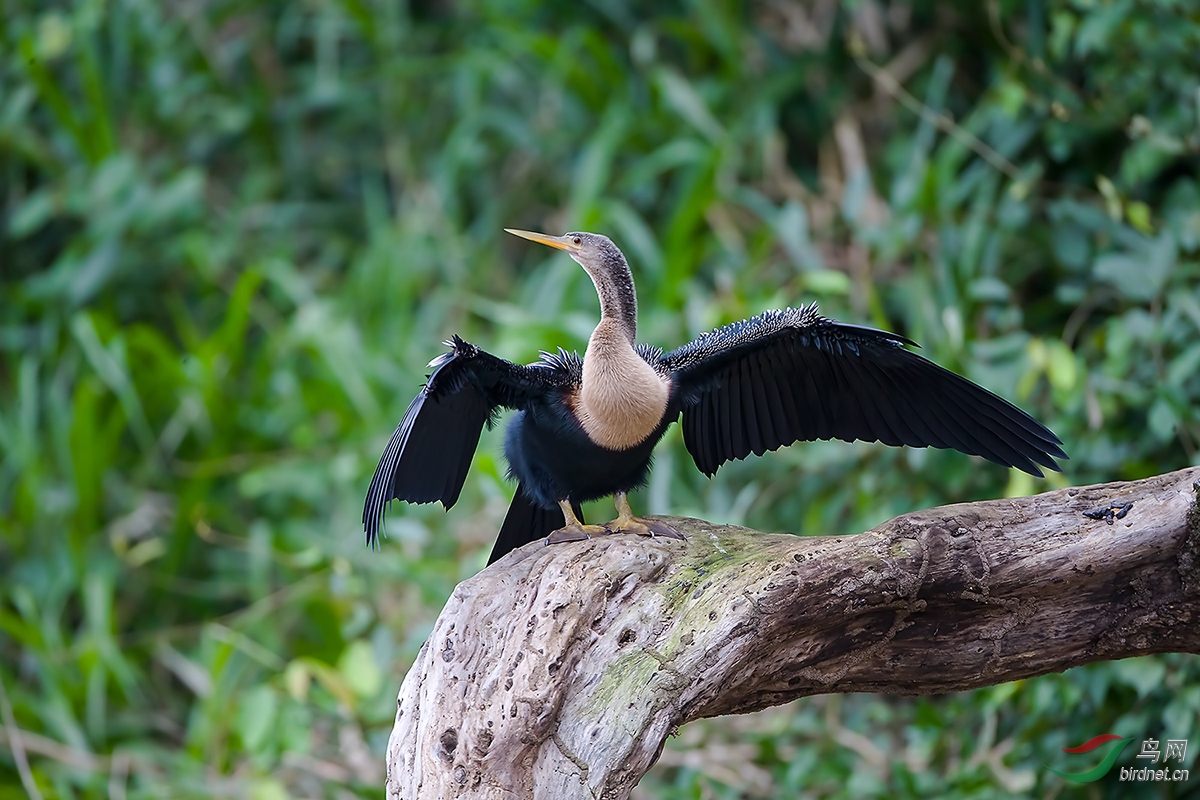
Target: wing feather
737, 417
430, 452
914, 422
764, 430
710, 446
793, 375
779, 423
812, 419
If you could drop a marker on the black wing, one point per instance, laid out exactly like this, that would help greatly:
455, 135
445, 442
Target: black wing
430, 452
792, 375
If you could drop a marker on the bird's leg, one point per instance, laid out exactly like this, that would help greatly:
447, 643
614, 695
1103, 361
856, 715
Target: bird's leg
574, 530
626, 522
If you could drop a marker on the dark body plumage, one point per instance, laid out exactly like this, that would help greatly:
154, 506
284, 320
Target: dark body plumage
552, 456
749, 387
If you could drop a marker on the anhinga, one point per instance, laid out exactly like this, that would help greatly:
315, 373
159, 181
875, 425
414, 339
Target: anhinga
585, 428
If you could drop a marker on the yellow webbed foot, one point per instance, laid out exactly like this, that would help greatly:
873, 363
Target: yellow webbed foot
576, 533
626, 522
645, 527
574, 530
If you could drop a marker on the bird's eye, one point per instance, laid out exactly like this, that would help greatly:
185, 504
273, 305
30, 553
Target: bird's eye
578, 240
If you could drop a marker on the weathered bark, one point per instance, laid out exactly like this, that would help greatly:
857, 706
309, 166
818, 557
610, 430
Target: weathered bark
559, 671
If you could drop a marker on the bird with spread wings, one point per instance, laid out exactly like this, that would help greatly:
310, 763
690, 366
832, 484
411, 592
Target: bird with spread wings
585, 427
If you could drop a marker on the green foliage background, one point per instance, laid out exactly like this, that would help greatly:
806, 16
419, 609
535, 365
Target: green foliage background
233, 232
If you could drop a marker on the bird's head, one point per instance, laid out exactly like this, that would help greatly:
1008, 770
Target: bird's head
595, 252
607, 268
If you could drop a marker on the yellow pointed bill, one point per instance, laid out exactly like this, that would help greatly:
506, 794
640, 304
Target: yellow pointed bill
557, 242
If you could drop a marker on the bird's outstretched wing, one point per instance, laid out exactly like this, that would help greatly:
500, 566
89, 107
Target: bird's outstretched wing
429, 454
792, 375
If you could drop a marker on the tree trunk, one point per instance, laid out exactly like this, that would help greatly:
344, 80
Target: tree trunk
559, 671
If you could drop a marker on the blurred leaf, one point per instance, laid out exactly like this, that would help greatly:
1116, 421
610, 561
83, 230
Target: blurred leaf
1185, 367
827, 282
1140, 275
1143, 674
332, 681
360, 670
1139, 217
682, 96
31, 214
1061, 367
297, 678
257, 712
1162, 419
269, 789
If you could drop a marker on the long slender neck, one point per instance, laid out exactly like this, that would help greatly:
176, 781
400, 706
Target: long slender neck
621, 398
618, 301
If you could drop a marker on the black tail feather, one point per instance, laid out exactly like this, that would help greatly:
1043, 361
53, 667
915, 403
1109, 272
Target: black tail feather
527, 522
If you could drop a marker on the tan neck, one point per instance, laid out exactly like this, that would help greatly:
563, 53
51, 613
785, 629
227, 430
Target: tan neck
622, 399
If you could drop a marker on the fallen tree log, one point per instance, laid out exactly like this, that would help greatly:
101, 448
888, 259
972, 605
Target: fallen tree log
559, 671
